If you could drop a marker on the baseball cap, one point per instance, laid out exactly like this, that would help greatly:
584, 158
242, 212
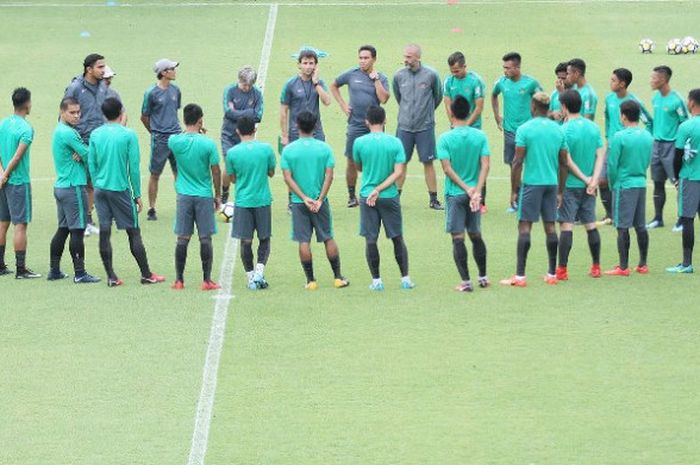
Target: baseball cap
163, 64
109, 72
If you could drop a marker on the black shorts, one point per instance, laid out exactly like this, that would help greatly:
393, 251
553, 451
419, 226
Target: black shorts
117, 206
629, 209
352, 134
191, 211
160, 153
304, 223
247, 220
534, 201
688, 198
576, 203
16, 203
423, 141
662, 160
508, 147
459, 215
386, 211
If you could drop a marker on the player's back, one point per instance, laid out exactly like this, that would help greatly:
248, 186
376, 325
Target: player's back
194, 154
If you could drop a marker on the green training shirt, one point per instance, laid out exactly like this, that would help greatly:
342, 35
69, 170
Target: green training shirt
66, 141
307, 159
377, 152
669, 112
251, 161
613, 123
589, 100
516, 99
555, 105
114, 159
583, 139
471, 87
542, 139
195, 154
463, 146
629, 157
15, 130
688, 139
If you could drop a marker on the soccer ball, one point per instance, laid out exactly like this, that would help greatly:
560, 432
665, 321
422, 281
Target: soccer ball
226, 212
674, 47
689, 45
646, 45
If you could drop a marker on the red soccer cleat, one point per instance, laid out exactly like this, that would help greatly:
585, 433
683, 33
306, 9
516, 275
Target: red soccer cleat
641, 269
617, 271
550, 279
153, 279
595, 271
210, 286
514, 281
562, 273
178, 285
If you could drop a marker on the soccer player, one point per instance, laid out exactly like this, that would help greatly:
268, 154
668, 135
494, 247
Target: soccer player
16, 136
687, 171
241, 99
70, 191
464, 154
628, 161
159, 115
249, 164
540, 156
111, 92
585, 161
619, 83
669, 112
576, 78
113, 159
517, 90
307, 165
418, 91
560, 85
366, 87
198, 162
381, 159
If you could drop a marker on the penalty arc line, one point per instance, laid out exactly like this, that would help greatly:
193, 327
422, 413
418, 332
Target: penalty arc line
205, 404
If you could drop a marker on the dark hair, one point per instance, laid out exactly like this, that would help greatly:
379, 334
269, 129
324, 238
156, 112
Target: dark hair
512, 56
624, 75
66, 102
370, 49
192, 113
306, 121
90, 61
694, 95
112, 108
460, 107
245, 125
376, 115
665, 70
307, 53
571, 99
457, 58
561, 68
578, 64
631, 110
20, 97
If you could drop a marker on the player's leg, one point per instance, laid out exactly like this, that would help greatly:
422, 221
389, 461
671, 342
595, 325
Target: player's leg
19, 200
408, 140
307, 265
548, 209
370, 222
159, 156
639, 224
184, 228
138, 251
473, 225
508, 156
180, 261
58, 241
204, 218
247, 260
425, 145
74, 201
263, 226
301, 232
242, 229
623, 215
104, 215
350, 168
323, 225
90, 228
226, 144
566, 214
658, 176
4, 226
523, 247
455, 223
389, 210
606, 195
688, 207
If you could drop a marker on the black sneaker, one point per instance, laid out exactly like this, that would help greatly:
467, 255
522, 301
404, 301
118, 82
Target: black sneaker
4, 270
352, 202
86, 278
26, 274
436, 205
55, 275
151, 215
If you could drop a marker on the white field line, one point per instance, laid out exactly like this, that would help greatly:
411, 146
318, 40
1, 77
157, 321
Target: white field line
205, 405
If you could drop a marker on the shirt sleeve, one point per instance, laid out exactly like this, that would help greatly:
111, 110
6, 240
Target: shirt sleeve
496, 87
258, 108
286, 95
437, 90
284, 161
479, 89
485, 150
356, 152
536, 87
146, 106
323, 84
330, 160
179, 97
27, 136
230, 163
397, 88
400, 152
77, 145
443, 152
520, 137
385, 82
681, 136
213, 154
682, 111
599, 138
446, 87
134, 166
343, 79
92, 159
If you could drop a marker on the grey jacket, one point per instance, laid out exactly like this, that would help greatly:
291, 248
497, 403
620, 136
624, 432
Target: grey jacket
418, 94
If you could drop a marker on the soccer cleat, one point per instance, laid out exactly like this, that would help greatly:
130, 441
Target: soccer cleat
606, 220
379, 286
550, 279
260, 282
114, 282
86, 278
484, 282
514, 281
353, 202
562, 273
483, 210
677, 228
5, 270
595, 271
26, 274
655, 224
680, 268
311, 286
341, 282
435, 205
617, 271
153, 279
511, 209
178, 285
641, 269
210, 286
55, 275
464, 286
407, 284
151, 215
91, 229
252, 285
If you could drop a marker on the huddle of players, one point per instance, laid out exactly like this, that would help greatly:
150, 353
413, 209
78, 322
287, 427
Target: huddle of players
541, 151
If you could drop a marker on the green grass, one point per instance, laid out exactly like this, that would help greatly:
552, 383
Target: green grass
590, 371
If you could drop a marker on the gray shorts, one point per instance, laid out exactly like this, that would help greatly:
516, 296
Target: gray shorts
352, 134
16, 203
576, 204
117, 206
662, 160
604, 170
160, 153
304, 223
191, 211
227, 143
71, 203
629, 209
689, 198
422, 141
386, 211
508, 147
248, 220
534, 201
459, 215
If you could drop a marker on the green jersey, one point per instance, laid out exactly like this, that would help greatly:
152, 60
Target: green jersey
542, 139
583, 139
251, 163
669, 112
629, 157
688, 139
114, 159
589, 100
377, 152
307, 159
516, 99
471, 87
66, 142
463, 146
613, 123
555, 105
195, 154
15, 130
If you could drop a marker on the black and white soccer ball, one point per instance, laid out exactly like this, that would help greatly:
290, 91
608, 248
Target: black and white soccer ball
674, 47
689, 45
646, 46
226, 212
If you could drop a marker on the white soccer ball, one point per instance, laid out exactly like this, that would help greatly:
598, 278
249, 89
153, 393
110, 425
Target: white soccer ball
646, 46
226, 212
689, 44
674, 47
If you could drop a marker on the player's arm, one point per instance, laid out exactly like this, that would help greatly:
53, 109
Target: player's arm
496, 110
613, 161
478, 108
678, 163
258, 105
327, 181
14, 161
646, 118
216, 180
92, 163
335, 91
484, 167
80, 150
284, 123
516, 172
146, 111
397, 89
447, 103
564, 159
294, 187
597, 169
437, 91
454, 177
381, 91
323, 94
271, 163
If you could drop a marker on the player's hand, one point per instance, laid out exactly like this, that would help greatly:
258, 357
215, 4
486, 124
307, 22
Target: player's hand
676, 183
139, 204
217, 203
374, 76
76, 157
314, 76
310, 204
560, 198
559, 85
372, 198
347, 110
513, 199
231, 106
475, 202
3, 180
202, 130
557, 115
284, 140
499, 122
